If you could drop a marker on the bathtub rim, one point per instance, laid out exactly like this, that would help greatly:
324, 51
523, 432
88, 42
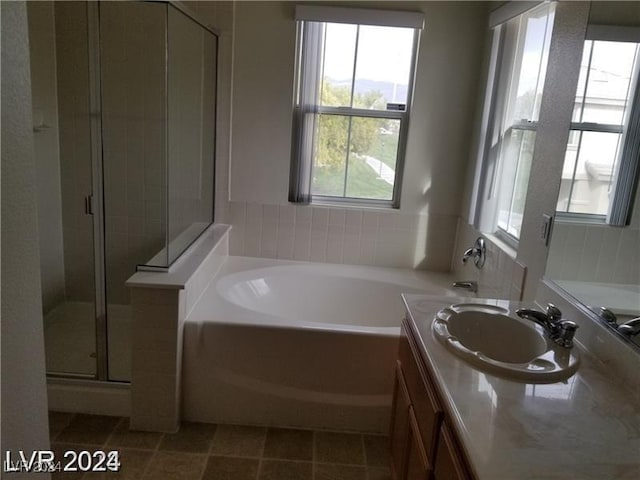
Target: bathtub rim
212, 306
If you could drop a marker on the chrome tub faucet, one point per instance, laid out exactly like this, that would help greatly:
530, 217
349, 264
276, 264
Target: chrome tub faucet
630, 328
471, 286
478, 253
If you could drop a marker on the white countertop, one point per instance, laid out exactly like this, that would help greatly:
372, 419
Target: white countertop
585, 428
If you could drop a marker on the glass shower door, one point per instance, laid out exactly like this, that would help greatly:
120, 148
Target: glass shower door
134, 106
63, 149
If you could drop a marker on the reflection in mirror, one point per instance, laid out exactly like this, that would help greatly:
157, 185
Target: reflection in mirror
594, 254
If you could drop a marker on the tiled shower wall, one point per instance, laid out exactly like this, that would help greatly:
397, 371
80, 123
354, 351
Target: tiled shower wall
340, 235
46, 151
134, 122
133, 137
594, 253
75, 148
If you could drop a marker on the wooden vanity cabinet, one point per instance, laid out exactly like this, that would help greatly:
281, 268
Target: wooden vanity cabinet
423, 446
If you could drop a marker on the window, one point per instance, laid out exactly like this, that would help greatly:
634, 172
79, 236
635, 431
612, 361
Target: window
599, 155
351, 112
512, 106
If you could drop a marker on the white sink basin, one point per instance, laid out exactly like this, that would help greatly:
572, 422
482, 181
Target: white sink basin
492, 339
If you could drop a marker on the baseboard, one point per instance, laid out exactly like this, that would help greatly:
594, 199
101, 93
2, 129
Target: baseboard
88, 396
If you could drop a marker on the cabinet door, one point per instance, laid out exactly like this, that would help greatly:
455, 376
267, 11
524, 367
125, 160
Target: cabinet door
424, 398
449, 464
418, 467
399, 434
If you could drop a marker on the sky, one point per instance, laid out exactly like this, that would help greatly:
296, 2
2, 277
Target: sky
384, 53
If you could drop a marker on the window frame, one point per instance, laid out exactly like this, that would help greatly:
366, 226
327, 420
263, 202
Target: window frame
505, 58
620, 205
301, 167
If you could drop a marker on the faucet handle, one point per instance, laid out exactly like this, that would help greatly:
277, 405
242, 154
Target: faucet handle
608, 316
566, 333
554, 315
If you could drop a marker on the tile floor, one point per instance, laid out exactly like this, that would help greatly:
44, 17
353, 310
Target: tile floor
202, 451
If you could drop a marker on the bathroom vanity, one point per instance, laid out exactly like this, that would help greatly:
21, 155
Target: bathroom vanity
423, 445
453, 421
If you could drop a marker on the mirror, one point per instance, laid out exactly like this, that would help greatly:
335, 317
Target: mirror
595, 262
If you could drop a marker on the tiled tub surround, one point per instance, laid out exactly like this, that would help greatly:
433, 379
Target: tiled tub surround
356, 236
277, 342
587, 427
594, 253
160, 303
501, 276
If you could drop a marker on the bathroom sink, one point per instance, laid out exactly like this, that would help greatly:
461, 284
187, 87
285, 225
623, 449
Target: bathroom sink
492, 339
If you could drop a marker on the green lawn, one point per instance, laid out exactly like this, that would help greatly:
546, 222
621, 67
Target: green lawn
362, 182
385, 148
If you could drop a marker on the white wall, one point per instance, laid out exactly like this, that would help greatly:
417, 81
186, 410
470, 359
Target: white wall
24, 397
422, 233
45, 108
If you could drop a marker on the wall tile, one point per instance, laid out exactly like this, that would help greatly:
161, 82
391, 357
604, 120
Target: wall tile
627, 257
302, 242
252, 239
353, 221
303, 215
254, 215
319, 218
236, 240
606, 268
351, 251
336, 233
367, 251
334, 251
237, 212
588, 262
573, 250
337, 216
287, 216
269, 241
318, 249
387, 220
270, 214
285, 247
370, 220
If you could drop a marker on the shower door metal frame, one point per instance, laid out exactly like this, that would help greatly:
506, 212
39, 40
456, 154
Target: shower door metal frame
99, 254
96, 203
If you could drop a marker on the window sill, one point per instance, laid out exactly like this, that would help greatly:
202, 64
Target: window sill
579, 219
502, 245
353, 203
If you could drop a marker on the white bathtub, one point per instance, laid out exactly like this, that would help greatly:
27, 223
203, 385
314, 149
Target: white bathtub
297, 344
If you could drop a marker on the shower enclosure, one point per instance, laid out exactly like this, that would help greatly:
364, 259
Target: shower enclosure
124, 98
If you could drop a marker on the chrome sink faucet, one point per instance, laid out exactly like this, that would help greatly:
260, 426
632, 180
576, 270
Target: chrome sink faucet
558, 330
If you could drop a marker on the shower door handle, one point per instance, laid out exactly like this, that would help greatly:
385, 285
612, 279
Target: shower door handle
88, 205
